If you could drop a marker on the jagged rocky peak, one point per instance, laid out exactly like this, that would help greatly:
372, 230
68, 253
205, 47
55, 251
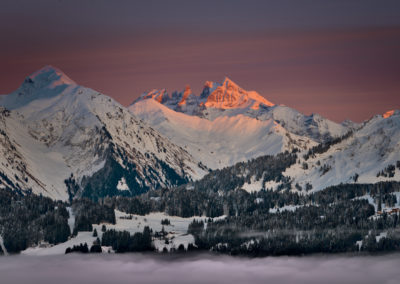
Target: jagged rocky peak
224, 95
228, 95
390, 113
186, 93
155, 94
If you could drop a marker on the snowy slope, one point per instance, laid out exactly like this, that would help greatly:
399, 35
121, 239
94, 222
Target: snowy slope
313, 126
226, 124
227, 99
53, 129
369, 150
223, 141
176, 232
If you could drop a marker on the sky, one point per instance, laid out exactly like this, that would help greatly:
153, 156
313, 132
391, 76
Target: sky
338, 58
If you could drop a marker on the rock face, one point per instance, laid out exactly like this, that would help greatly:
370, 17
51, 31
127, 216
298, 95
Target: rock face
63, 140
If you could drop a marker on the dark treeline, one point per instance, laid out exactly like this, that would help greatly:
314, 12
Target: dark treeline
331, 220
28, 219
187, 201
266, 167
323, 147
389, 171
88, 212
82, 248
301, 232
25, 220
213, 195
125, 242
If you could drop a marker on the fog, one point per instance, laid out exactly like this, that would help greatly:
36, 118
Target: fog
137, 268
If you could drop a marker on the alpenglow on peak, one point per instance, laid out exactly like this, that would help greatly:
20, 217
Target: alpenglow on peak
225, 95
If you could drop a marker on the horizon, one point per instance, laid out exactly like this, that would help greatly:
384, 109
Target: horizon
338, 59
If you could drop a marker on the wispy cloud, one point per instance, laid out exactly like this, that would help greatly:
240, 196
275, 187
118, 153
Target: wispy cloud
136, 268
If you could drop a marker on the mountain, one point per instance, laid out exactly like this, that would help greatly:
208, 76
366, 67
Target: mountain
225, 96
226, 124
63, 140
334, 184
223, 141
369, 155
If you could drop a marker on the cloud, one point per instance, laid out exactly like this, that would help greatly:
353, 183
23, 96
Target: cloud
138, 268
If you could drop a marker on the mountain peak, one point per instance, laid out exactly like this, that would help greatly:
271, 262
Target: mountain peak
229, 95
44, 83
186, 93
49, 75
228, 82
389, 113
223, 96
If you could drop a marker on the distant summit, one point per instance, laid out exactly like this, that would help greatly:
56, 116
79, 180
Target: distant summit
45, 83
49, 75
220, 96
228, 99
390, 113
229, 95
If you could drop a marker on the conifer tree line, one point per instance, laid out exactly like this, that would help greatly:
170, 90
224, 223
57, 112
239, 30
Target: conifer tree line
336, 219
28, 219
25, 220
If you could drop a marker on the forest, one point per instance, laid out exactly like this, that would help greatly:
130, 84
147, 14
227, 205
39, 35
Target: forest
267, 222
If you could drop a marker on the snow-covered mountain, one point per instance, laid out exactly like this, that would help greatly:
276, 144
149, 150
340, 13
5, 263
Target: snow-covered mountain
226, 124
368, 155
61, 140
371, 154
223, 141
226, 97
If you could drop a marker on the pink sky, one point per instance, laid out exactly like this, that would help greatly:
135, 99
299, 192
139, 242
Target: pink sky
340, 72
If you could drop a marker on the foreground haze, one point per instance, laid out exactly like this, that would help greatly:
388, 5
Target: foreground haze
137, 268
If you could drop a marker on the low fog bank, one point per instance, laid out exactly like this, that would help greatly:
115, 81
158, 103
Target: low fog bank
137, 268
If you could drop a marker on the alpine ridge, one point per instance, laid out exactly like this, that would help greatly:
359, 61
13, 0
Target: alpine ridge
64, 141
226, 124
220, 128
183, 172
229, 99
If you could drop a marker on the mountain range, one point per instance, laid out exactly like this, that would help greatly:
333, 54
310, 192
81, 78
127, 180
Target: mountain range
226, 124
66, 141
63, 141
